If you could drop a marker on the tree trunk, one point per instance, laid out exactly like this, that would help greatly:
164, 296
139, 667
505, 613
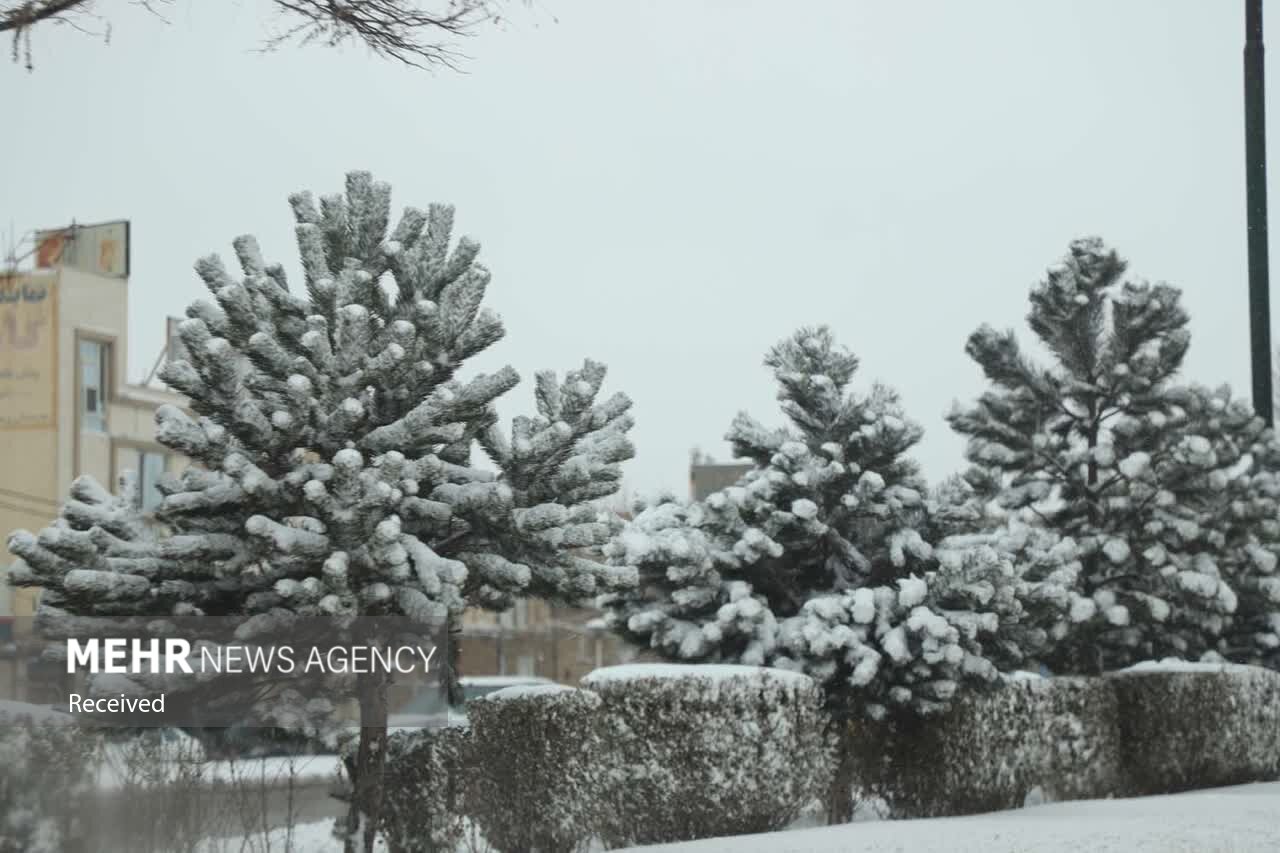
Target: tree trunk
1091, 440
365, 809
840, 794
1095, 520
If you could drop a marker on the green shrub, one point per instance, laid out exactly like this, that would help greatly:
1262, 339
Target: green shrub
1186, 726
696, 751
422, 809
535, 781
1043, 739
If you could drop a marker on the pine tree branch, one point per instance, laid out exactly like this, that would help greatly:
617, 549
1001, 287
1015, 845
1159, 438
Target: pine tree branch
1040, 515
1052, 460
1102, 489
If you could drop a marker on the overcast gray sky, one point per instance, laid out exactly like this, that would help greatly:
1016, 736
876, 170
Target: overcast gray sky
672, 186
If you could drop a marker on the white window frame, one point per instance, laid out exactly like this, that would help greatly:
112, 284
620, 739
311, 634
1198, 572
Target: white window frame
94, 420
140, 471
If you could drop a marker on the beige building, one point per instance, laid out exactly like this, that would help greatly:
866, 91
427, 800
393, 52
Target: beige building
539, 639
66, 406
706, 476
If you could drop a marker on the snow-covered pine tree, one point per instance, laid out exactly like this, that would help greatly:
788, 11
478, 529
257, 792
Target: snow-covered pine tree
1102, 447
815, 560
1243, 519
955, 508
1038, 572
333, 434
1035, 587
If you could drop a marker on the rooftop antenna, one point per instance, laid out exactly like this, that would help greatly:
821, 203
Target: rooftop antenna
11, 252
14, 244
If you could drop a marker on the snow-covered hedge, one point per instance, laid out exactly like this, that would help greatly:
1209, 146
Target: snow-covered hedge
47, 765
1151, 729
1029, 739
1186, 726
535, 775
698, 751
423, 793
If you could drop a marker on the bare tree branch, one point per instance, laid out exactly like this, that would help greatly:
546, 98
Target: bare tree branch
153, 6
19, 16
404, 30
393, 29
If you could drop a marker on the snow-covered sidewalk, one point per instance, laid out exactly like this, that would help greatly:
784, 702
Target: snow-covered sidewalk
1241, 819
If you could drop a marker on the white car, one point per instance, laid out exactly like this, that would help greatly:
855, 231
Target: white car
429, 707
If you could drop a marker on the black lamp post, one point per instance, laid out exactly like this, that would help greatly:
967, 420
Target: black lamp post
1255, 154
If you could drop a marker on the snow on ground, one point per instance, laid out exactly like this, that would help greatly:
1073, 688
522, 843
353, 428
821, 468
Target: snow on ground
274, 771
1241, 819
307, 838
1023, 675
1176, 665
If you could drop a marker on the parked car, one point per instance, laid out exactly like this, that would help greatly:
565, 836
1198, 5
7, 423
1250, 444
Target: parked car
430, 707
241, 741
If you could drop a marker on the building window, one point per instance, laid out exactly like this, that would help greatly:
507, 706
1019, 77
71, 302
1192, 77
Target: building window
515, 618
93, 385
150, 467
525, 666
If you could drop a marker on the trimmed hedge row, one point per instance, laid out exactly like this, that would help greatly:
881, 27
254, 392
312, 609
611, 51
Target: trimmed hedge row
700, 751
654, 754
1151, 730
647, 754
423, 793
536, 762
1059, 737
1200, 727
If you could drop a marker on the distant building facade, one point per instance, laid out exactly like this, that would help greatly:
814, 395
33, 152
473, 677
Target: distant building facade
539, 639
66, 407
706, 477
